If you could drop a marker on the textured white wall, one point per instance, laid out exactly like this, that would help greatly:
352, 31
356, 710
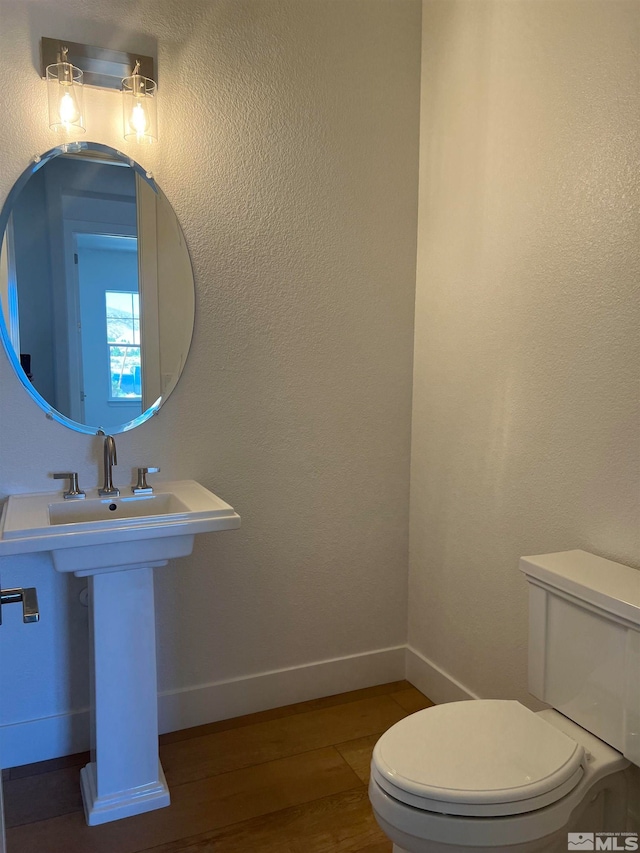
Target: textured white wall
526, 421
289, 149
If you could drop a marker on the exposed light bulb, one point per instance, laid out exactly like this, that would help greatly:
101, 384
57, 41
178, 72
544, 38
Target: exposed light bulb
68, 109
139, 120
64, 87
139, 107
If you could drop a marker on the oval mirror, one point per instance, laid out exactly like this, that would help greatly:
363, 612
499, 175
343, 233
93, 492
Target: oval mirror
96, 288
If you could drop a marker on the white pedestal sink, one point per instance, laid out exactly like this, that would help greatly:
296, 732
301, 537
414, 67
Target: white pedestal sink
117, 543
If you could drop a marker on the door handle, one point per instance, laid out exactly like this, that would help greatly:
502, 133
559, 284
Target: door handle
29, 599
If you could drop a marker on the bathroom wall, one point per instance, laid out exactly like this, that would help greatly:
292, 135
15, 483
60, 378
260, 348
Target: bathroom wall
526, 427
289, 150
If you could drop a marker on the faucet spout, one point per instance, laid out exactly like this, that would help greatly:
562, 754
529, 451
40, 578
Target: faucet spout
110, 459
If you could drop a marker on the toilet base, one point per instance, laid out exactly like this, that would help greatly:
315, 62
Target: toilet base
555, 843
602, 809
558, 845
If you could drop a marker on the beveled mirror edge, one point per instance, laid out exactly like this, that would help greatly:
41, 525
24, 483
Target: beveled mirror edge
50, 412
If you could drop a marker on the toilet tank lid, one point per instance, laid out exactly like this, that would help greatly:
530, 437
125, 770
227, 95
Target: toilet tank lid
602, 583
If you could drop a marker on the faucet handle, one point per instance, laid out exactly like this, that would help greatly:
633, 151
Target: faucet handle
142, 487
74, 493
29, 598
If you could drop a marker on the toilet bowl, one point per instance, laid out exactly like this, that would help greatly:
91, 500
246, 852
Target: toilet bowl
479, 787
494, 775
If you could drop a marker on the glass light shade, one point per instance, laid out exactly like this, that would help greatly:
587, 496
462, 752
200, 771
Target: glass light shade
139, 109
64, 89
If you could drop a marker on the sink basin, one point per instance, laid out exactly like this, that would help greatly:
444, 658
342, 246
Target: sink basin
108, 510
129, 530
118, 543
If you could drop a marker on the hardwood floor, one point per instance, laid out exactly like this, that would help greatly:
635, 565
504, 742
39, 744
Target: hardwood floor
288, 780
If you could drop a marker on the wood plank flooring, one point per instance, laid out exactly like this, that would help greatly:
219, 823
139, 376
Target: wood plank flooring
287, 780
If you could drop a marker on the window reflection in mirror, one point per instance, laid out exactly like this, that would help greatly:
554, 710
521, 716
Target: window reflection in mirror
123, 337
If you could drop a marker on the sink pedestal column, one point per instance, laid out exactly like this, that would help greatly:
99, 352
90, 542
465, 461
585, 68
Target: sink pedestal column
125, 776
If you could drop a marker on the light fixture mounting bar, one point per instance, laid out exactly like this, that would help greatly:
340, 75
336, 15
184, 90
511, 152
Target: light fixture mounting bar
102, 67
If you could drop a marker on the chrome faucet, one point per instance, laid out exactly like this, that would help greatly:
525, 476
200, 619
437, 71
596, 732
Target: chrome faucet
110, 459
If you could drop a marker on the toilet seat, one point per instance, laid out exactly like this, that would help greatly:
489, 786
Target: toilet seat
478, 758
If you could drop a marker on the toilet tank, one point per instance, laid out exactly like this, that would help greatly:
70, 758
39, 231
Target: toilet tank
584, 643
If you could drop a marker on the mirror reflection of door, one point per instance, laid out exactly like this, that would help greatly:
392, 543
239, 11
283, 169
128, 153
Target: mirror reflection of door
109, 328
96, 220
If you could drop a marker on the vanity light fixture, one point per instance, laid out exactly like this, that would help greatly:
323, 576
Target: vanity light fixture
64, 90
67, 65
139, 107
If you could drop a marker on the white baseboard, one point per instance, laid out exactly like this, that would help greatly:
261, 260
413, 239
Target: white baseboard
44, 738
433, 681
51, 737
207, 703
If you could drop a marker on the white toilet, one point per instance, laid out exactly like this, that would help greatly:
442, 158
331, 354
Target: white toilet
493, 775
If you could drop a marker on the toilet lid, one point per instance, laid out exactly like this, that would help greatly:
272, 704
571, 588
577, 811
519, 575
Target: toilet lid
482, 757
